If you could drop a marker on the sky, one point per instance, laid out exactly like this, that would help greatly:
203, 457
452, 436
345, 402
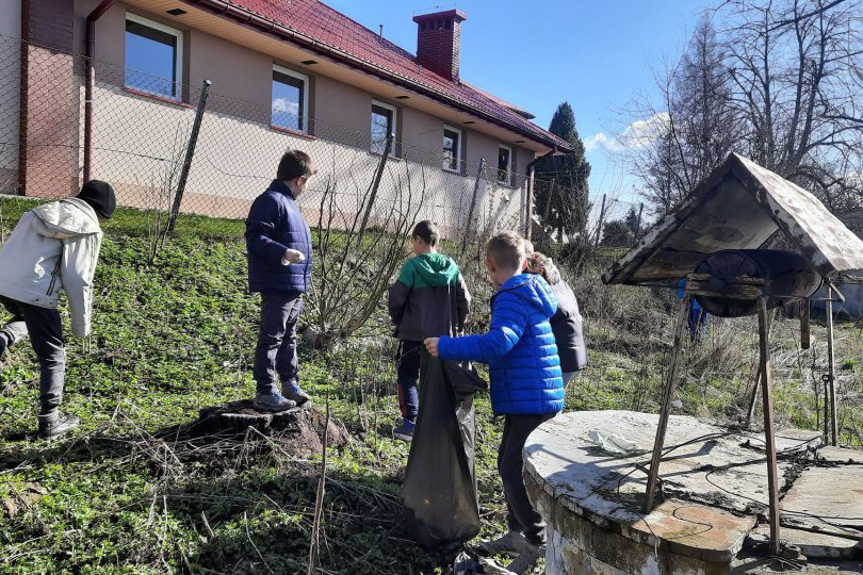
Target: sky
599, 55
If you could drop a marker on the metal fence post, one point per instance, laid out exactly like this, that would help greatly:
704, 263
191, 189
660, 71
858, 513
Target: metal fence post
373, 193
472, 204
190, 154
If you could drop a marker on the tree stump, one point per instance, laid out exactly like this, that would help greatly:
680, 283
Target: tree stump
300, 429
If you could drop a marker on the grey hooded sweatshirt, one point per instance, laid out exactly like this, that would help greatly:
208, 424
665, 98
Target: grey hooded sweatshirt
54, 246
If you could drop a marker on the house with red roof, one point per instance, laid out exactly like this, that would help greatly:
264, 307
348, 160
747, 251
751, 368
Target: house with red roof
108, 90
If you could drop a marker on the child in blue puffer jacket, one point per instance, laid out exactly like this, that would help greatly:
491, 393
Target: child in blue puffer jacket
526, 384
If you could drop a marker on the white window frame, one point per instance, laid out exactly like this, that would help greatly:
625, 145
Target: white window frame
178, 53
458, 160
508, 180
395, 112
305, 110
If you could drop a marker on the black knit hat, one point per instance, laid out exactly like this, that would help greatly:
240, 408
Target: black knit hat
100, 196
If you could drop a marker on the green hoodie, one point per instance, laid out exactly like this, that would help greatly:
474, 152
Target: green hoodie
429, 299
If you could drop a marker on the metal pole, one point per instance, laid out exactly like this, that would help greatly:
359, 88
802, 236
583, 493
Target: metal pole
190, 155
601, 217
665, 407
373, 193
769, 439
528, 220
472, 204
805, 325
831, 374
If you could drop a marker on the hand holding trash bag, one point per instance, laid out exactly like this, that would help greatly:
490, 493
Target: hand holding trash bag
431, 344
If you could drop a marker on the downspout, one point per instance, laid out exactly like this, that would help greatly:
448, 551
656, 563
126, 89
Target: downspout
528, 208
90, 83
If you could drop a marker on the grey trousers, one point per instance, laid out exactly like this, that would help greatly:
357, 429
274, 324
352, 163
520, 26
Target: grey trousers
46, 336
276, 352
520, 516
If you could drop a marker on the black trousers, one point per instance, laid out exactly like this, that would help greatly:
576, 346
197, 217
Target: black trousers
276, 352
520, 516
45, 329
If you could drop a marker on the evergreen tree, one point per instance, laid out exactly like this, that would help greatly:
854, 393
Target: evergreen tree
561, 188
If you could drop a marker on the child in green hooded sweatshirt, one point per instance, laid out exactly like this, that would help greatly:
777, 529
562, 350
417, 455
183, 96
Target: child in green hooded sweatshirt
430, 299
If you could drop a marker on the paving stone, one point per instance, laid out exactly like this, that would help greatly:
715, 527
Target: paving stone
840, 455
698, 531
834, 494
812, 545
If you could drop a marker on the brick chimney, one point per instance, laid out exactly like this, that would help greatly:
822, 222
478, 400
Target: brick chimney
438, 37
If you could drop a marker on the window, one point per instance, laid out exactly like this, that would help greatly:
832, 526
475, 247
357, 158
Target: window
383, 124
154, 58
451, 149
504, 165
290, 106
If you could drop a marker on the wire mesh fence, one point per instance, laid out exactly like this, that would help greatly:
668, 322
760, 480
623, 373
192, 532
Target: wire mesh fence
141, 132
140, 141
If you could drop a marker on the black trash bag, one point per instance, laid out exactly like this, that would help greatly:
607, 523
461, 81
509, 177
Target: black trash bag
439, 493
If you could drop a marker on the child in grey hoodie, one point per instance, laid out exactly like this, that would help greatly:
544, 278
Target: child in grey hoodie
54, 246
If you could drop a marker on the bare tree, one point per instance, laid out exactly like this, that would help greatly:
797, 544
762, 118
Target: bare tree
360, 248
779, 84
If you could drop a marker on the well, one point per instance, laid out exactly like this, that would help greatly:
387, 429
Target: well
712, 502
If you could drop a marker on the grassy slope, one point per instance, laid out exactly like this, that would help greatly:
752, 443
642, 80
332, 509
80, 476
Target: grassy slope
168, 339
176, 336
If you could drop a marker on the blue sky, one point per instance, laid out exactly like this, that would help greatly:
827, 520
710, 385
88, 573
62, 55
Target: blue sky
597, 54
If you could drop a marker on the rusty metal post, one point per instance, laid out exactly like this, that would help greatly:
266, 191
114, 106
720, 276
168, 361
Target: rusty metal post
528, 208
830, 386
750, 413
769, 437
472, 204
805, 325
190, 155
376, 183
665, 407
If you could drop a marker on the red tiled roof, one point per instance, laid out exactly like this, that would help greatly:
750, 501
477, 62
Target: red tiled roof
328, 31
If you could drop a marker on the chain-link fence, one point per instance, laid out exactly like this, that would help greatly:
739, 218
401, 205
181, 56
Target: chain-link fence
145, 144
140, 144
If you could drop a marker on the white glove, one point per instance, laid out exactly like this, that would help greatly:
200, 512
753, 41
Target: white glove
292, 257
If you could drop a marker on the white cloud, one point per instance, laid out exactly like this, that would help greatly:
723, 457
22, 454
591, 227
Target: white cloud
284, 105
639, 134
598, 140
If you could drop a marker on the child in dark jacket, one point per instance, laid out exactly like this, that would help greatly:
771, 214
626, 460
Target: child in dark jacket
566, 323
526, 384
430, 298
279, 251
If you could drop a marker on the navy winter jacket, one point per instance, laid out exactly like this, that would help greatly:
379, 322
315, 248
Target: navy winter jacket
519, 348
274, 225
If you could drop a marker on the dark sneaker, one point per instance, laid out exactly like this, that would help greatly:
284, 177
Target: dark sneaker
512, 544
527, 559
295, 394
57, 424
405, 431
273, 402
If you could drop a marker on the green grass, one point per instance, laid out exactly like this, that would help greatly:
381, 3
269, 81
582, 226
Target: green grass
176, 335
168, 339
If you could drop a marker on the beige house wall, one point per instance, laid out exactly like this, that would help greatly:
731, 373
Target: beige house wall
138, 139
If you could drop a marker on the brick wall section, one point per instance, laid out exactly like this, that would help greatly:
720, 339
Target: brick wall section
48, 23
48, 136
438, 42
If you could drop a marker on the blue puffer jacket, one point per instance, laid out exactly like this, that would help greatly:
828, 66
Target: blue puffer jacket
519, 348
274, 225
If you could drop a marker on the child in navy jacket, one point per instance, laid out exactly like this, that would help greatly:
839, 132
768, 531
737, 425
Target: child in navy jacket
279, 251
526, 384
